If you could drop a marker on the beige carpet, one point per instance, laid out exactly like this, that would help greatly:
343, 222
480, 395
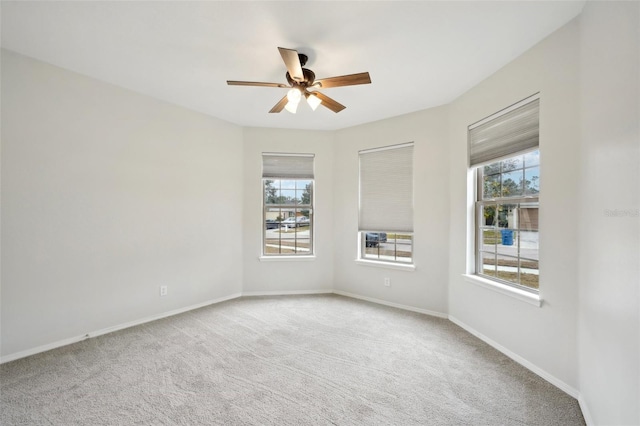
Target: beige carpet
290, 360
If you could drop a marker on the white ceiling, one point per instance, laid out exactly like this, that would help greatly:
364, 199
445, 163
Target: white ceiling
419, 54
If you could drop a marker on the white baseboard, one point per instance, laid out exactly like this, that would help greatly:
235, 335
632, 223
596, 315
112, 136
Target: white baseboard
585, 411
71, 340
284, 293
394, 305
520, 360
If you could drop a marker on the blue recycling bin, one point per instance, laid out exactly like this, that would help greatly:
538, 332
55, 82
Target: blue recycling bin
507, 237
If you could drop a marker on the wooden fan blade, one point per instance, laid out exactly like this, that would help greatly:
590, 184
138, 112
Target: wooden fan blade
291, 60
255, 83
280, 105
329, 103
345, 80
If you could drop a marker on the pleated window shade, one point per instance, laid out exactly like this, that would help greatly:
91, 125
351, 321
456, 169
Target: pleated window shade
505, 133
287, 166
386, 189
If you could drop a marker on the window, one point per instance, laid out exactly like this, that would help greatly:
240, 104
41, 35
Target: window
507, 191
386, 204
287, 181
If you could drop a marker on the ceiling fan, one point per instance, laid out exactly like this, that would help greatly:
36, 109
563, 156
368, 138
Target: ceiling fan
302, 80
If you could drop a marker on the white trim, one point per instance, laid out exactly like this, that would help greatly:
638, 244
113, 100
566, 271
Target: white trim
284, 292
585, 411
520, 360
393, 305
286, 258
286, 154
522, 295
384, 148
71, 340
387, 265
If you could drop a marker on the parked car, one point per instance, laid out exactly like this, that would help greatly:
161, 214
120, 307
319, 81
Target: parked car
272, 224
294, 222
373, 239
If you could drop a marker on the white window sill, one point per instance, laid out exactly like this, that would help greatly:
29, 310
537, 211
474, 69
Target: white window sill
286, 258
522, 295
387, 265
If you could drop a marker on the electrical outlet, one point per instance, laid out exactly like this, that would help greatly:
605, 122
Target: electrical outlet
387, 282
163, 290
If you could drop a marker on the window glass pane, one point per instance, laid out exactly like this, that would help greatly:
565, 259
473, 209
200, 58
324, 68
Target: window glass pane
303, 185
529, 245
489, 215
532, 181
287, 196
508, 243
288, 184
532, 158
512, 163
371, 245
528, 217
490, 237
270, 191
512, 184
303, 245
404, 246
507, 268
303, 197
491, 169
272, 221
506, 215
491, 186
488, 264
387, 246
529, 274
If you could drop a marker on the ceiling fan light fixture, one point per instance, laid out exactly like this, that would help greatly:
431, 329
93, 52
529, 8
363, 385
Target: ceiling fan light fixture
313, 101
291, 107
294, 96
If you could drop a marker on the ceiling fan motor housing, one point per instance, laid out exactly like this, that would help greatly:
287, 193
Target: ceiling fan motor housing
309, 78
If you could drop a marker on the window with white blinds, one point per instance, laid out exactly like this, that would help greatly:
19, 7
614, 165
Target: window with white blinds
386, 189
503, 134
504, 150
287, 199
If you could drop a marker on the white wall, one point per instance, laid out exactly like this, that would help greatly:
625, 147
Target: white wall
266, 276
543, 336
107, 194
426, 287
609, 320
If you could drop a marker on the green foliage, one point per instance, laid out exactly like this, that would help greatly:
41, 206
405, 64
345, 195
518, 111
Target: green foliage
306, 195
270, 192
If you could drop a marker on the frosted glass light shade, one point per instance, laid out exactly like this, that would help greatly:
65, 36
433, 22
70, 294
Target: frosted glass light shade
292, 107
293, 96
313, 101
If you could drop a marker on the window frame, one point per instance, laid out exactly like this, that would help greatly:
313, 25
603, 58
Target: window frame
479, 228
295, 207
